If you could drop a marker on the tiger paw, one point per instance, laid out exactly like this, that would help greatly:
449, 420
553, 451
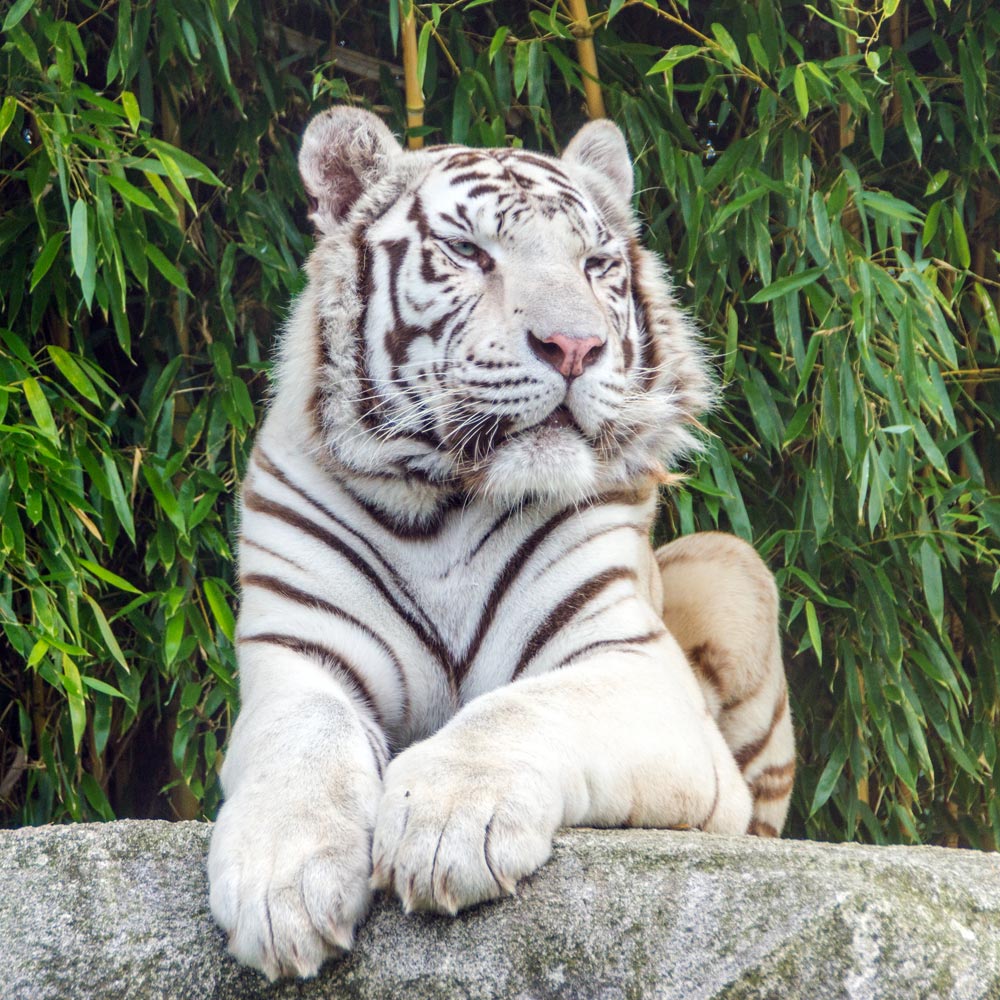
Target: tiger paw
289, 885
452, 832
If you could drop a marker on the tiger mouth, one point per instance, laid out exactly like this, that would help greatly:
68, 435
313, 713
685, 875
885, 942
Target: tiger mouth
559, 417
480, 445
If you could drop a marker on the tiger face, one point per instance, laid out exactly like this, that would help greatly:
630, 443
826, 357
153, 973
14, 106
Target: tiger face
526, 347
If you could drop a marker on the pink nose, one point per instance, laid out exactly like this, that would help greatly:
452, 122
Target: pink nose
568, 355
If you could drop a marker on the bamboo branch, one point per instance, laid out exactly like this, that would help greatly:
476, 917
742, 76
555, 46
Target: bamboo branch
414, 94
587, 57
344, 59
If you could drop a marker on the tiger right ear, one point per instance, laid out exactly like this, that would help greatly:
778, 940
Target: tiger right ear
600, 146
344, 152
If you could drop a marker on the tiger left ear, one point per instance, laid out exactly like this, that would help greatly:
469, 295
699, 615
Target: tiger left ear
344, 152
600, 146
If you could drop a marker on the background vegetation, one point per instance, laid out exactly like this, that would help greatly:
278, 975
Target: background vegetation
823, 182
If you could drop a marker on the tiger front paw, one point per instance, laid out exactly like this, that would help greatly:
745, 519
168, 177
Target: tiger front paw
452, 831
290, 885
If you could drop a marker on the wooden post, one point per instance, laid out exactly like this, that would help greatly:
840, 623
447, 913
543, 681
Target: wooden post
414, 93
587, 58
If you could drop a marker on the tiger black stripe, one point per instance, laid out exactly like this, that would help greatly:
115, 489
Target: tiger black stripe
294, 594
749, 752
649, 362
249, 543
328, 658
603, 645
504, 580
773, 782
369, 397
609, 529
501, 522
715, 800
428, 638
567, 609
268, 466
317, 397
414, 530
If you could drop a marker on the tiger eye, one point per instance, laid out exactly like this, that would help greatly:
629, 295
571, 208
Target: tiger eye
604, 264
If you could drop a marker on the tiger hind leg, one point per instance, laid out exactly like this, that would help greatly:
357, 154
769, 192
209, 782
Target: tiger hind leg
721, 604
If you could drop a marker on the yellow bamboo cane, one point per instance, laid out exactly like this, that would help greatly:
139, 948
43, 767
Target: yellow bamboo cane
588, 58
414, 93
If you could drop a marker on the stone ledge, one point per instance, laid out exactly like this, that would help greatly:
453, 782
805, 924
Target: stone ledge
120, 910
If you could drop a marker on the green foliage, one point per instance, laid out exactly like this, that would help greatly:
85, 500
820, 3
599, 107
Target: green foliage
823, 183
142, 255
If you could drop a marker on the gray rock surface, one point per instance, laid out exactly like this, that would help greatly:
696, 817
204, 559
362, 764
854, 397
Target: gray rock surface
120, 910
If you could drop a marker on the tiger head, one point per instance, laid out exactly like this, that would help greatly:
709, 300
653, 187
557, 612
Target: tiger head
484, 321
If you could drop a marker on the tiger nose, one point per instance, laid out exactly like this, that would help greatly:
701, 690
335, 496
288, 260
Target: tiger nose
568, 355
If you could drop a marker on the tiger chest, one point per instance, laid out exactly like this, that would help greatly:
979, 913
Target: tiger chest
505, 599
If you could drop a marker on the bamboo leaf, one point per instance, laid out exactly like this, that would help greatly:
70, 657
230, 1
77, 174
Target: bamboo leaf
726, 43
812, 622
499, 37
674, 55
131, 193
737, 205
108, 577
801, 92
522, 54
930, 572
40, 410
119, 501
110, 642
159, 260
959, 241
910, 124
73, 687
220, 609
172, 638
787, 285
7, 112
131, 108
16, 14
829, 777
46, 259
80, 250
73, 373
891, 206
184, 163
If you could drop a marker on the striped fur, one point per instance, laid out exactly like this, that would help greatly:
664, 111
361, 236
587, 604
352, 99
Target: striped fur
454, 636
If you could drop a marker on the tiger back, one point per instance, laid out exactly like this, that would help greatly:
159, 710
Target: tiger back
454, 636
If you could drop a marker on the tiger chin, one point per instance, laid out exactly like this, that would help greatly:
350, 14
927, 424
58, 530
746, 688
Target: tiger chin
454, 636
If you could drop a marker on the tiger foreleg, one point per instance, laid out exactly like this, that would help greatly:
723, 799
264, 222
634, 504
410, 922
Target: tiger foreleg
290, 859
721, 604
618, 740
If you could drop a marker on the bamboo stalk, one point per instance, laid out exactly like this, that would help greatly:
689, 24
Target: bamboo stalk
182, 800
850, 49
414, 93
587, 57
850, 218
897, 36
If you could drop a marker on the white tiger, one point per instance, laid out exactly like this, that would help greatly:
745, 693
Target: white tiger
451, 638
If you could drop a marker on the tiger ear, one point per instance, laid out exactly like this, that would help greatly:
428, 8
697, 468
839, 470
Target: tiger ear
600, 146
344, 152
